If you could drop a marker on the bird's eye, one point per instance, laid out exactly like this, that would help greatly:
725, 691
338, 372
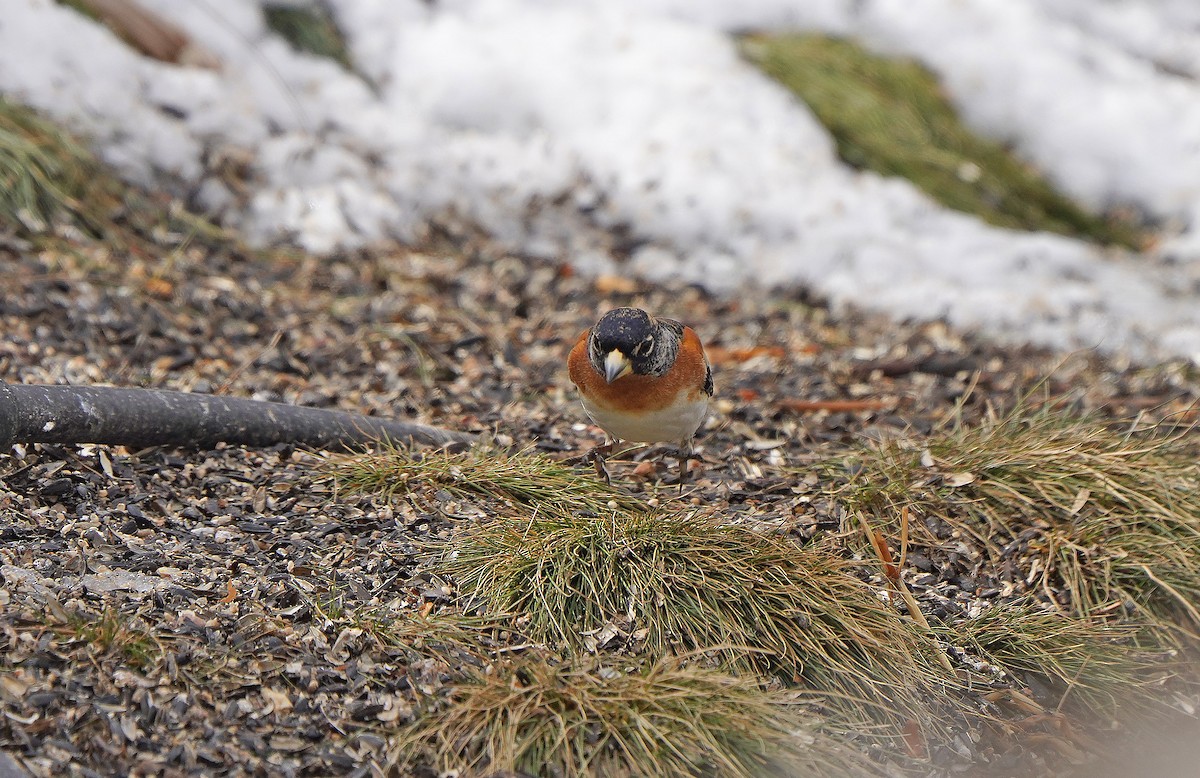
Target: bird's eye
645, 348
596, 350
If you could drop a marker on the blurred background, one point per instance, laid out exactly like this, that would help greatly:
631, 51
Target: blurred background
1027, 169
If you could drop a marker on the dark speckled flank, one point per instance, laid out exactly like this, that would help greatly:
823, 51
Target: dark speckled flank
650, 344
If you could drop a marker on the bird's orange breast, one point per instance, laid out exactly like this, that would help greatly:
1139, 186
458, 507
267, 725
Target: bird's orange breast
633, 393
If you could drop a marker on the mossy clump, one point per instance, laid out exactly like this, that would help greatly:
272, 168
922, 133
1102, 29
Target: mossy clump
891, 116
310, 29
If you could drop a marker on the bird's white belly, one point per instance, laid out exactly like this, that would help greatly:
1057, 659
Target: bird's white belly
675, 424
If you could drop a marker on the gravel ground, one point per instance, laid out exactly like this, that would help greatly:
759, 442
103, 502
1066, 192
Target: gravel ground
175, 612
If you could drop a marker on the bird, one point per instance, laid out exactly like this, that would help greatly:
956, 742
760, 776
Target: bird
643, 379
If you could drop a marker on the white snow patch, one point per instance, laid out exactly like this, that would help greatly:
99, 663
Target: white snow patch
551, 124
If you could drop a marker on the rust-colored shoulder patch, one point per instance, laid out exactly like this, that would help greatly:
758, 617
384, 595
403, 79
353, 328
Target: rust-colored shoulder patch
693, 362
578, 365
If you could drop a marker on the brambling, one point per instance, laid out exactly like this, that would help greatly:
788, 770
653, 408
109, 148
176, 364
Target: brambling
643, 379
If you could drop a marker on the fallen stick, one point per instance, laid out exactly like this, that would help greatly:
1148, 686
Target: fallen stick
151, 34
140, 418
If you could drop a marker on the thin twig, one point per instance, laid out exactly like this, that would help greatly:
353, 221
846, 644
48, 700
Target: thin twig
836, 406
892, 574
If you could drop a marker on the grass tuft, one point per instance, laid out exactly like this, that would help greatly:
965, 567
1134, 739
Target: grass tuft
45, 174
309, 29
1089, 665
1106, 521
581, 566
668, 583
54, 191
592, 717
522, 478
112, 633
891, 116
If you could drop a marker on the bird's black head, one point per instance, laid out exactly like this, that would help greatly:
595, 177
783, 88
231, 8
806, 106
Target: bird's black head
630, 340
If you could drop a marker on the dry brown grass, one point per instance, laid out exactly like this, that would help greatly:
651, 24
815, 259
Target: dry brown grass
606, 717
664, 583
1090, 666
521, 478
1104, 519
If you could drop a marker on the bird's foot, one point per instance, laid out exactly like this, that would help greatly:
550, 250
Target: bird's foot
597, 457
686, 455
601, 469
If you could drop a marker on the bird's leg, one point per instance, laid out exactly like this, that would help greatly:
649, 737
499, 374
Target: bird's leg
597, 456
685, 457
601, 470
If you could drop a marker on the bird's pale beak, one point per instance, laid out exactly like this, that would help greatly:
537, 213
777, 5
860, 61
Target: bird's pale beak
616, 365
